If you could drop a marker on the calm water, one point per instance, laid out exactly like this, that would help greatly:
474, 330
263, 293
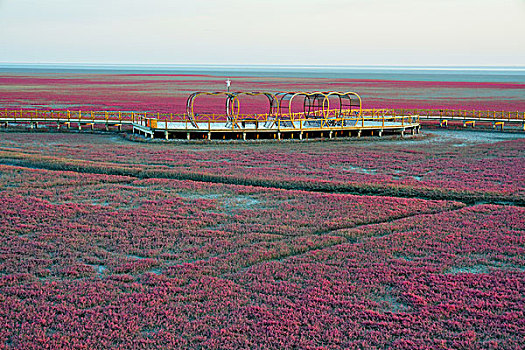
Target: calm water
460, 74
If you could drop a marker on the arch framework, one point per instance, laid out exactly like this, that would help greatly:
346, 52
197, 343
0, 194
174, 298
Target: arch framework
190, 104
316, 106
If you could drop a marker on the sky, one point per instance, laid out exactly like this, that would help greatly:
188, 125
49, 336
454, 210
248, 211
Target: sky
296, 32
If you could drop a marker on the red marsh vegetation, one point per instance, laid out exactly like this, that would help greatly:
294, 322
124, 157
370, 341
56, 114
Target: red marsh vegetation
108, 243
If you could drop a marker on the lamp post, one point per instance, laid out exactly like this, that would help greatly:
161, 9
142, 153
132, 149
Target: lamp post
228, 83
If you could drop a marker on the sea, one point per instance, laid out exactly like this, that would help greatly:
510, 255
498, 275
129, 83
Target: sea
503, 74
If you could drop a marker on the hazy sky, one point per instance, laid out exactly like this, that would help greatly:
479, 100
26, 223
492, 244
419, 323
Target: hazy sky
343, 32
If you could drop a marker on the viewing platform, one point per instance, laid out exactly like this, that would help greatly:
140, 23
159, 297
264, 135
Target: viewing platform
287, 115
267, 127
314, 114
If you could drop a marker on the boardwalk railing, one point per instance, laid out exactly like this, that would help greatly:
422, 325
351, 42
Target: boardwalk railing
465, 114
343, 118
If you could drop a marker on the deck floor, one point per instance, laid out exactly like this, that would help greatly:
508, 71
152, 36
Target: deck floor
283, 130
261, 127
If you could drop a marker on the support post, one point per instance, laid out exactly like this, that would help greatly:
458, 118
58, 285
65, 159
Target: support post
500, 124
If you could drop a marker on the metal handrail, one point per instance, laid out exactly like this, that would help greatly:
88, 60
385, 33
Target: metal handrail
337, 117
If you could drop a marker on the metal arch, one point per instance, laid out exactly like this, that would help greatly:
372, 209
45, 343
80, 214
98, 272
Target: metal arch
307, 95
289, 97
342, 95
316, 102
272, 100
230, 106
283, 100
190, 102
286, 96
331, 118
351, 93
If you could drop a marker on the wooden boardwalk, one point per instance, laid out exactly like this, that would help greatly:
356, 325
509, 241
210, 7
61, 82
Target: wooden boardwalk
376, 122
250, 127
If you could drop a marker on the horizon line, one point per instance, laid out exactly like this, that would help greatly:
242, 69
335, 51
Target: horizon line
255, 65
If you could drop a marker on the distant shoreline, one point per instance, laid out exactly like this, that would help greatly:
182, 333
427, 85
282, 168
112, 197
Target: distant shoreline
269, 66
402, 73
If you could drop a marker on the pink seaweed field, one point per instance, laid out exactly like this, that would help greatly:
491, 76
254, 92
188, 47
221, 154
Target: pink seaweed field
114, 244
168, 93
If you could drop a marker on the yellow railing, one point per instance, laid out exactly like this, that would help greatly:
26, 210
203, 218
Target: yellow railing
465, 114
325, 119
295, 121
